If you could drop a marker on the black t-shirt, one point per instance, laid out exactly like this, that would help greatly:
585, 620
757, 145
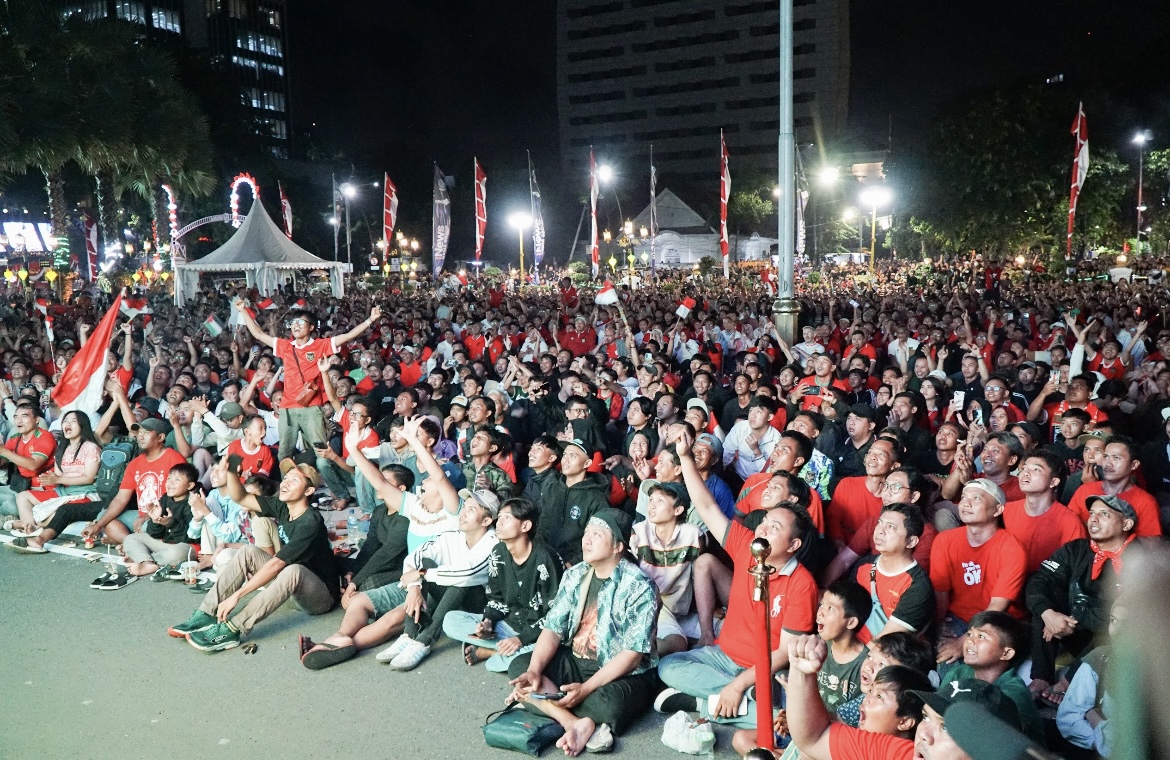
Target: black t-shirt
304, 541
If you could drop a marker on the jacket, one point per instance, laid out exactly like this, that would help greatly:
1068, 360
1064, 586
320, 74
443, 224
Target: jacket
1064, 583
581, 502
520, 594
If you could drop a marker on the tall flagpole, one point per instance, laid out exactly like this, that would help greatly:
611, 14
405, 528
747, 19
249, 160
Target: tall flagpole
334, 216
531, 213
653, 214
786, 310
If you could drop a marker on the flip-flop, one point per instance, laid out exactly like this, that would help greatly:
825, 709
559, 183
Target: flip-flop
319, 659
1052, 696
20, 545
470, 656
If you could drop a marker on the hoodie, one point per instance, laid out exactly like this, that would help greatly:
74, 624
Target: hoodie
581, 501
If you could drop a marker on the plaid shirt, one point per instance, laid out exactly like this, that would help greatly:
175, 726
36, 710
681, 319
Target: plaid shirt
627, 612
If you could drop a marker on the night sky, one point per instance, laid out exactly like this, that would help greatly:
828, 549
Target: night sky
399, 85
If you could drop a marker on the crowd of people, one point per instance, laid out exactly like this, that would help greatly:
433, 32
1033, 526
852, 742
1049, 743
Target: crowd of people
953, 469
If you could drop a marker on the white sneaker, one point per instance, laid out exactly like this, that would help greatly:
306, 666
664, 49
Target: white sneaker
601, 741
395, 649
410, 657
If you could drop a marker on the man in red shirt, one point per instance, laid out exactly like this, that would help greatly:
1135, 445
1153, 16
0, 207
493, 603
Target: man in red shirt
144, 480
301, 403
1118, 468
1001, 454
474, 341
580, 339
31, 450
858, 498
1038, 521
808, 391
1076, 396
726, 670
975, 567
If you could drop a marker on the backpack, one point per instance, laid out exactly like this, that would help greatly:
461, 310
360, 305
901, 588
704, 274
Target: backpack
115, 456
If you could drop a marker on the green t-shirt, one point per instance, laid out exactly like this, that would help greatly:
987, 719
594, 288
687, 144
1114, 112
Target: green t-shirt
838, 682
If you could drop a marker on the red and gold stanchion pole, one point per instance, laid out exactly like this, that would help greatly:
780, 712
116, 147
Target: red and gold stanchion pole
765, 737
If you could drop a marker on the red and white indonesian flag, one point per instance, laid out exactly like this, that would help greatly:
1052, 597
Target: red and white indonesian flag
480, 208
594, 191
389, 211
266, 304
49, 328
724, 195
285, 211
685, 308
607, 296
132, 307
1080, 128
84, 377
42, 305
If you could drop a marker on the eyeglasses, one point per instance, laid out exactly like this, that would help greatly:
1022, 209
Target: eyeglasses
297, 321
892, 487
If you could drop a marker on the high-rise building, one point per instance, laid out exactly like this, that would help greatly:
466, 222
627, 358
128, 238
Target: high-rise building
672, 73
245, 39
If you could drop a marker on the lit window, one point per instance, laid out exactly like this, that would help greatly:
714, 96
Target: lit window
130, 11
166, 20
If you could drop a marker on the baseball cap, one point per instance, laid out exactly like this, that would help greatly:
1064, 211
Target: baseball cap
1096, 435
615, 521
154, 425
698, 403
459, 401
678, 490
581, 445
230, 411
1028, 365
864, 410
972, 690
308, 470
988, 487
1117, 504
713, 442
1058, 326
652, 368
484, 498
983, 736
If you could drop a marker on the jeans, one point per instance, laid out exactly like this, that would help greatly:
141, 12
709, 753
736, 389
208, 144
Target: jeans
338, 480
308, 421
295, 581
701, 673
461, 626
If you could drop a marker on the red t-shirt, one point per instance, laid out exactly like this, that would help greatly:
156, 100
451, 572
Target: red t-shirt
851, 506
1011, 490
148, 480
259, 462
1054, 413
1115, 370
409, 374
300, 367
862, 542
1143, 503
792, 591
124, 376
371, 440
814, 401
475, 345
848, 743
973, 575
578, 343
1041, 536
751, 497
39, 442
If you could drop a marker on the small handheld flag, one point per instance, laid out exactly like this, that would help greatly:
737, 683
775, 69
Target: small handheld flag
213, 327
607, 296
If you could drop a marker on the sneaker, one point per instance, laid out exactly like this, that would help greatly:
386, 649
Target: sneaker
215, 638
670, 701
117, 581
201, 587
197, 622
163, 573
395, 649
99, 581
414, 653
601, 741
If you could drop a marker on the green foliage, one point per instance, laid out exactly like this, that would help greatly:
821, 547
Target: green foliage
493, 272
707, 265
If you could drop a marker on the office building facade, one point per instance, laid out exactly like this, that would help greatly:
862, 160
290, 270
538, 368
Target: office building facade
672, 73
245, 39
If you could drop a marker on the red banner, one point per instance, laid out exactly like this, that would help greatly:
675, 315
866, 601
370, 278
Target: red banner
1080, 128
480, 209
724, 196
389, 212
594, 189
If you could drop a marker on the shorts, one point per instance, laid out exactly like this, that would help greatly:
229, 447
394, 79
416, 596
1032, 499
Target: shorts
386, 598
687, 626
128, 517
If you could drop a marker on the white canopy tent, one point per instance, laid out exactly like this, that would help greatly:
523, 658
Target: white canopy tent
263, 253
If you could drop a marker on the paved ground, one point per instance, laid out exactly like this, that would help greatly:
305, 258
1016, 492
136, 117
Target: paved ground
92, 674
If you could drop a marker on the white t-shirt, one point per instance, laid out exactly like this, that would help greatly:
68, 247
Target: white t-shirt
424, 525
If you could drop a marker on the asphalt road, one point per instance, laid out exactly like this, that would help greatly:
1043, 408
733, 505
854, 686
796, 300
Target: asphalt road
93, 674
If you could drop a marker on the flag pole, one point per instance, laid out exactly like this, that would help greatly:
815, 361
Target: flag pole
653, 215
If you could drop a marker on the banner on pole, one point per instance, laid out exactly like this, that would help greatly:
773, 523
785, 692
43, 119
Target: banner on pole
537, 222
480, 209
594, 190
440, 222
724, 196
1080, 128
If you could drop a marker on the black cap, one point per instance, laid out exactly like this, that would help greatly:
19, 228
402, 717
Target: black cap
983, 736
972, 690
617, 522
1117, 504
864, 410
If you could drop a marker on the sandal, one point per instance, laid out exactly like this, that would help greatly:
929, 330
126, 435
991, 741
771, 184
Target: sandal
1052, 696
319, 659
471, 655
21, 546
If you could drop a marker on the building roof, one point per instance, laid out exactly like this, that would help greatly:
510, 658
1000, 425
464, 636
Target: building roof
674, 215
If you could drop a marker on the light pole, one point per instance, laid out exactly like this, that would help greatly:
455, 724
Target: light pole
520, 222
348, 192
1140, 140
873, 197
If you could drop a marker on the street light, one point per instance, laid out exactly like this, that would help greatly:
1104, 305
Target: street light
605, 173
873, 197
348, 190
829, 175
1140, 140
520, 221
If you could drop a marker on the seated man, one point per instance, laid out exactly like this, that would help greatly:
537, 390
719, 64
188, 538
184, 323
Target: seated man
305, 569
996, 643
523, 577
163, 538
976, 567
338, 471
666, 547
597, 643
902, 596
726, 669
857, 498
900, 649
1069, 595
31, 450
1038, 521
447, 573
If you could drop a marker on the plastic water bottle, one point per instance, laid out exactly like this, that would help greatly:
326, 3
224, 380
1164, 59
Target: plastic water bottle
352, 526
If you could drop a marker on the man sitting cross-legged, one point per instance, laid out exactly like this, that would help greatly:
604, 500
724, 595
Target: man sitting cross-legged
523, 576
726, 669
305, 569
597, 643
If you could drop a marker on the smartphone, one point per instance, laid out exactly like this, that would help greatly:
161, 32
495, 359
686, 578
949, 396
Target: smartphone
713, 705
979, 416
961, 398
319, 445
554, 696
812, 390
